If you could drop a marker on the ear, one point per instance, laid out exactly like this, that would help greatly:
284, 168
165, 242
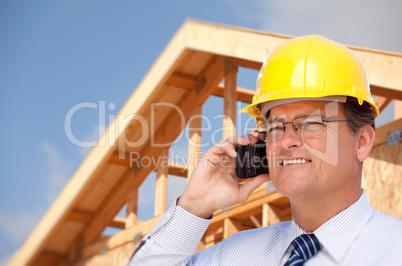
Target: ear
365, 137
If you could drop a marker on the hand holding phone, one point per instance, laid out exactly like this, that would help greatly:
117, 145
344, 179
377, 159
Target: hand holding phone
215, 173
251, 160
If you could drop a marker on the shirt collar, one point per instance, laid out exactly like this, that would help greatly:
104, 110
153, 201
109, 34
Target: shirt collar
294, 231
337, 234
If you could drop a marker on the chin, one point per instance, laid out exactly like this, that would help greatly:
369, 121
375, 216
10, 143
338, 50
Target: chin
290, 186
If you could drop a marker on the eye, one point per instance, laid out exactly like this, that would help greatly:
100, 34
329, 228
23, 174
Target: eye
276, 128
313, 123
313, 127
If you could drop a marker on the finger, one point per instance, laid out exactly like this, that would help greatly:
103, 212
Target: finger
253, 138
243, 140
248, 186
228, 146
225, 147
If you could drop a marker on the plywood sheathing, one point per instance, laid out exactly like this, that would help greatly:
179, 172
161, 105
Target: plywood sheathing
382, 172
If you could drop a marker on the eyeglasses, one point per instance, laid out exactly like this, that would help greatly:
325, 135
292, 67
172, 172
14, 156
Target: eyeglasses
307, 126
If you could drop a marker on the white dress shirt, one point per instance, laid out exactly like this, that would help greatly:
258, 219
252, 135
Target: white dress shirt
358, 235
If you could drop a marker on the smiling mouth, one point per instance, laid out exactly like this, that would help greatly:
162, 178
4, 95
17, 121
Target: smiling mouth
294, 161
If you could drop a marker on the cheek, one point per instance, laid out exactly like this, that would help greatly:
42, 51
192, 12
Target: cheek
325, 149
272, 156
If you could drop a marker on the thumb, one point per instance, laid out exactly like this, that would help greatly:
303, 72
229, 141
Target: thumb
248, 186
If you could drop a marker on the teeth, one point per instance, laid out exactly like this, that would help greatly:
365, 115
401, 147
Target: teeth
299, 160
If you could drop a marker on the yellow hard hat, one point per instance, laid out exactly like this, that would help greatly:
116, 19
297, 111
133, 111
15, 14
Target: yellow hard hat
310, 67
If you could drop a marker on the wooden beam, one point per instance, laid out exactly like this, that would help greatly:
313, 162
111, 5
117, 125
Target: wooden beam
397, 109
254, 221
208, 80
182, 80
285, 211
251, 207
247, 64
201, 245
118, 222
48, 258
161, 183
392, 93
244, 95
103, 237
229, 99
95, 248
382, 102
117, 197
123, 160
177, 169
79, 246
213, 233
133, 235
383, 69
270, 214
104, 215
194, 144
132, 208
249, 46
381, 133
265, 214
189, 82
80, 216
231, 226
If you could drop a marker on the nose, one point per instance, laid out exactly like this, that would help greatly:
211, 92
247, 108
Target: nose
291, 137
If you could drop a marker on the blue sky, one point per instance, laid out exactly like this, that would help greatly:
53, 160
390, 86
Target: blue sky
56, 54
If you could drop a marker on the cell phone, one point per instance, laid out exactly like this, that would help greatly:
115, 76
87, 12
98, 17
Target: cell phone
251, 160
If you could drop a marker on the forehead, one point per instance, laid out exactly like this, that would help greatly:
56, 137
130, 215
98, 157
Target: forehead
296, 109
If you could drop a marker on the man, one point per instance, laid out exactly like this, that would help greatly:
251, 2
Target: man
316, 114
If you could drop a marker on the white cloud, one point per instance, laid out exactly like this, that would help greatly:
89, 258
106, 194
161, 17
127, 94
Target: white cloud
366, 23
95, 134
58, 170
16, 227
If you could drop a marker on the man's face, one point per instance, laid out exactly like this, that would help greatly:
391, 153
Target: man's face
302, 164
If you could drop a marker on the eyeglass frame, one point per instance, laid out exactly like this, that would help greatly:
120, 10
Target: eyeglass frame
295, 128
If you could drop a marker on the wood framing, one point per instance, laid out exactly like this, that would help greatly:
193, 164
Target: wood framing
132, 208
229, 100
382, 102
231, 226
190, 69
194, 145
161, 183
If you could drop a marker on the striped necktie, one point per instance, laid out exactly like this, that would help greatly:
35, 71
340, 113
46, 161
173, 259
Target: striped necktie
304, 247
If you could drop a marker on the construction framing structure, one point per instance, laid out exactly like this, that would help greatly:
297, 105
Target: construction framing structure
189, 70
